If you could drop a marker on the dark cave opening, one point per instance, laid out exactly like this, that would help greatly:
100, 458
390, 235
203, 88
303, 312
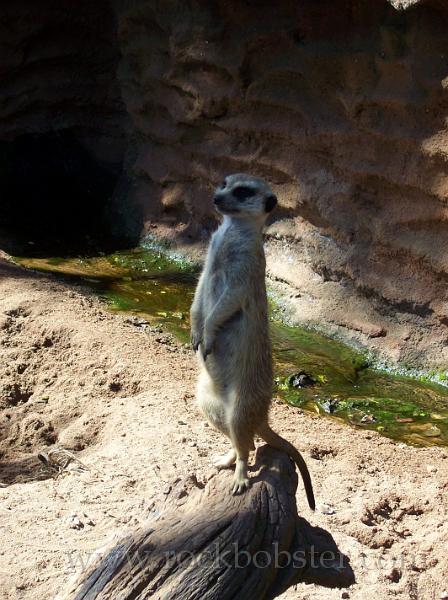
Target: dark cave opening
63, 131
56, 198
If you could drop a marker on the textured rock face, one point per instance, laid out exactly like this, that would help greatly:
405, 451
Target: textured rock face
57, 72
342, 106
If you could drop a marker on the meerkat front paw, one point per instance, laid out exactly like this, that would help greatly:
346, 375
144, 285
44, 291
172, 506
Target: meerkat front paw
207, 344
196, 339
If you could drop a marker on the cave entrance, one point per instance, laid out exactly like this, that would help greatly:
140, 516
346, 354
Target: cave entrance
56, 198
63, 131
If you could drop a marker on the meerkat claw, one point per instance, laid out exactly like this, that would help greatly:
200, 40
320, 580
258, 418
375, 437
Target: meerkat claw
240, 486
195, 341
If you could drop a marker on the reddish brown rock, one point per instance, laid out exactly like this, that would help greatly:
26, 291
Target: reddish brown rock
340, 105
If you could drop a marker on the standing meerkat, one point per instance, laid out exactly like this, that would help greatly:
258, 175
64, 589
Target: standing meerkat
230, 329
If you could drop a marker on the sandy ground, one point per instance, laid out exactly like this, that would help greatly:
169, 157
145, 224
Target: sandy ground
121, 396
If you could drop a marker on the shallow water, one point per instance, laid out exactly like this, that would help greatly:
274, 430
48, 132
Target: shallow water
340, 384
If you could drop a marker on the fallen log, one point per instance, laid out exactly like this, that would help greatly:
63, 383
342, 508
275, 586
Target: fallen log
205, 544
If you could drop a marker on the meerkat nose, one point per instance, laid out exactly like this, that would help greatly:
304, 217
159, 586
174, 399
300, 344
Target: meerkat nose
218, 198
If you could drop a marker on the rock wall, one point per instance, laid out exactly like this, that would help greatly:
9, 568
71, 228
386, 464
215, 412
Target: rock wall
58, 72
342, 106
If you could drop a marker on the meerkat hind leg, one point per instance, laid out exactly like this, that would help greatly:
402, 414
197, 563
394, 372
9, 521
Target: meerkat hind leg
243, 443
240, 480
225, 461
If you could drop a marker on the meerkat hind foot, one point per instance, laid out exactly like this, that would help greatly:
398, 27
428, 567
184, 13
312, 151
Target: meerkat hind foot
240, 485
240, 480
226, 461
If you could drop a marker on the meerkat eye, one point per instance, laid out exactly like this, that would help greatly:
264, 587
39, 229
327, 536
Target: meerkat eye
242, 192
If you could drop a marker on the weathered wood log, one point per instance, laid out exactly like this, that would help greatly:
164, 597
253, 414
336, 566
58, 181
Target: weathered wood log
206, 544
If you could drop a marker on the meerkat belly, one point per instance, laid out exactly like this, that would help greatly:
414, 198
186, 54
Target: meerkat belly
239, 358
213, 401
230, 345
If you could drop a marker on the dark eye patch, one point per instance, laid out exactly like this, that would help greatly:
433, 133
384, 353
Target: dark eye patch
242, 192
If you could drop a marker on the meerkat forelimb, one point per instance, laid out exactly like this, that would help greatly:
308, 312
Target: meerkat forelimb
229, 328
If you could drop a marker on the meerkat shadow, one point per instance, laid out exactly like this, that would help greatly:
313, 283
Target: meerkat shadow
204, 542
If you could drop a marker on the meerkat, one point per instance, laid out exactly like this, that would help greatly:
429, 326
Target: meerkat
230, 329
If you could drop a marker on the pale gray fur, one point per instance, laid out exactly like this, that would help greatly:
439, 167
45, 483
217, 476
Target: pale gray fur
229, 328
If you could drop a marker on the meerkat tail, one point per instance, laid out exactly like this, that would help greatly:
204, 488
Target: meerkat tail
276, 441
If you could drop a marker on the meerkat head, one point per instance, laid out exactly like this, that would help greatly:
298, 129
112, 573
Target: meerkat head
244, 196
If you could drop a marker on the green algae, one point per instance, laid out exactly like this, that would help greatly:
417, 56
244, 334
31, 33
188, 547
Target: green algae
341, 385
347, 389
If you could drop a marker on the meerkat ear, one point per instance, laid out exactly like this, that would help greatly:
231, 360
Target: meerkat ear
271, 203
